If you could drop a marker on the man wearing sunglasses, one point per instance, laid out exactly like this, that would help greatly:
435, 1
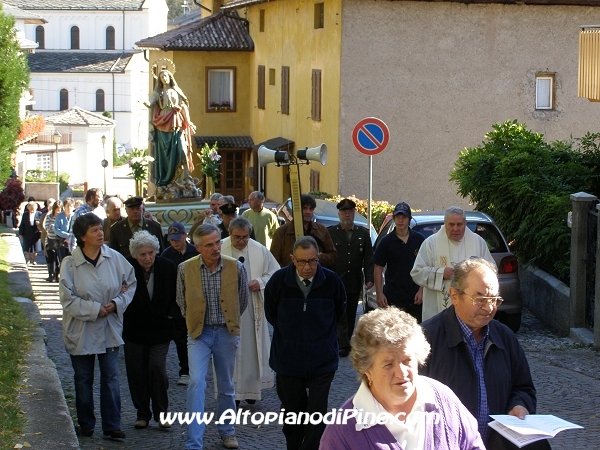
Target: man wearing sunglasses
480, 359
303, 302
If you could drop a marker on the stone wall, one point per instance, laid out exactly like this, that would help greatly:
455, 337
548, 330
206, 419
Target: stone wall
547, 298
41, 191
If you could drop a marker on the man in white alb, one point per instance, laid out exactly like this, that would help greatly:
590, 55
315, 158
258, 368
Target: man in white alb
434, 266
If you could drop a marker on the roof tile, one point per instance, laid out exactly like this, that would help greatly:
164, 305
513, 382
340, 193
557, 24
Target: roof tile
224, 141
111, 5
78, 116
78, 61
219, 32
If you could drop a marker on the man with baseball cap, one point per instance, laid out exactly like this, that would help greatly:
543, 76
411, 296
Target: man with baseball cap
354, 266
397, 252
179, 251
122, 231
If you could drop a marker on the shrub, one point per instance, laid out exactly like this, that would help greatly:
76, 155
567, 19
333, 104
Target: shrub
379, 209
12, 195
524, 183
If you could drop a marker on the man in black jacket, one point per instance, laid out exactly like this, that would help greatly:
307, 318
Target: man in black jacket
354, 266
480, 359
122, 231
303, 302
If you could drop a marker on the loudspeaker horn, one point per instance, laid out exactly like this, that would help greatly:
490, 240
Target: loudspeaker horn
267, 156
314, 154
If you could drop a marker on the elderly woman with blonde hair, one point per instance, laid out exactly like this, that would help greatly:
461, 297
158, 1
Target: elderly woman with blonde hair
148, 328
394, 407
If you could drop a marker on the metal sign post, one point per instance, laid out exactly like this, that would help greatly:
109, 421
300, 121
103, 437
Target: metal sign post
370, 136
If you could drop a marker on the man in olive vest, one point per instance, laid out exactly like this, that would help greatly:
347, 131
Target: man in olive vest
212, 292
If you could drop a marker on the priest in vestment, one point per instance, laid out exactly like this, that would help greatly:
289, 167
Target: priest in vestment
252, 372
439, 253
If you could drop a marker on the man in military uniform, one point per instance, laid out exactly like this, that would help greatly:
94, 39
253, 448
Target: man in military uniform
354, 266
122, 231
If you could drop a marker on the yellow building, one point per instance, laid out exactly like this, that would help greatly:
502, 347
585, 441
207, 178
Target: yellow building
245, 91
439, 74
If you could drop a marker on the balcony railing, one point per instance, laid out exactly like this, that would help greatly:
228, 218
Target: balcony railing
46, 137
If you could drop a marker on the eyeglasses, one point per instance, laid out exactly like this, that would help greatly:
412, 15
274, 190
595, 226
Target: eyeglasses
485, 301
240, 238
212, 244
303, 262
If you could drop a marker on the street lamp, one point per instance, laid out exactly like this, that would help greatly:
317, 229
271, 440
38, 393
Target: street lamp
104, 161
56, 138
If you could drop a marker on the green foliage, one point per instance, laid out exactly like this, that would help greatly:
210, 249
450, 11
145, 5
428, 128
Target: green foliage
63, 182
14, 79
176, 8
40, 176
139, 161
209, 162
321, 195
379, 209
48, 176
15, 336
524, 183
119, 160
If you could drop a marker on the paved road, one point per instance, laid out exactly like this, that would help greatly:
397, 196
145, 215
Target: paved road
567, 378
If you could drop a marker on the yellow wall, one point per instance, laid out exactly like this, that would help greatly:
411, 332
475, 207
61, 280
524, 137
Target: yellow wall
290, 40
191, 77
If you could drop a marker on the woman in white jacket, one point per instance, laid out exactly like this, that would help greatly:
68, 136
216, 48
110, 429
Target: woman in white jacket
96, 285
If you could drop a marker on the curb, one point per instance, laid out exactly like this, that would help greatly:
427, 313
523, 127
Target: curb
49, 424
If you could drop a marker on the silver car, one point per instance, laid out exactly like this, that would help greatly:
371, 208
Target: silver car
429, 222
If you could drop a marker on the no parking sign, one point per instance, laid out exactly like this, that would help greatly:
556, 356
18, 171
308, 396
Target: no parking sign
370, 136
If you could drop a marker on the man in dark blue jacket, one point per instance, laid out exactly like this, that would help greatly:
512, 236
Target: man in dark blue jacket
304, 302
480, 359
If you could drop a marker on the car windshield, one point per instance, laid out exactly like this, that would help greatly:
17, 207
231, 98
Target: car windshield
487, 231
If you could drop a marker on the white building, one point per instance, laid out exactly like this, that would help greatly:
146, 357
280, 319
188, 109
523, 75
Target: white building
80, 150
86, 58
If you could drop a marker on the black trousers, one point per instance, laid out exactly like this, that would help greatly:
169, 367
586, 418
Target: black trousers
414, 310
345, 325
180, 336
147, 377
292, 392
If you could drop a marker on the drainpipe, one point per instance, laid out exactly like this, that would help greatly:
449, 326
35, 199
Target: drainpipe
123, 30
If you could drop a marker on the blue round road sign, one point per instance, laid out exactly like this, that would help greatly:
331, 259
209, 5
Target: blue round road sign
370, 136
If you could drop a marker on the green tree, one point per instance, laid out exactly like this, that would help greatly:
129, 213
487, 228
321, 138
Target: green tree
524, 183
14, 78
176, 8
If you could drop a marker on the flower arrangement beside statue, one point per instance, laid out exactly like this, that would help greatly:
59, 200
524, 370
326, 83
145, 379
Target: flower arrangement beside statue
209, 160
214, 105
139, 168
225, 104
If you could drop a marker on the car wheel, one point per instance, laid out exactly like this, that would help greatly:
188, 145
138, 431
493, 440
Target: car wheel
512, 321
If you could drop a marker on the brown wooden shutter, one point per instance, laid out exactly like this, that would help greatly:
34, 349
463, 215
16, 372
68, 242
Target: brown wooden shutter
261, 87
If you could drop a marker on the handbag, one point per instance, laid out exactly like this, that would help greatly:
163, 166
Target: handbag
51, 244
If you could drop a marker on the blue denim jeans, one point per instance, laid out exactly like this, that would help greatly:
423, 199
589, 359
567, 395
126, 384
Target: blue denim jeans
215, 340
110, 393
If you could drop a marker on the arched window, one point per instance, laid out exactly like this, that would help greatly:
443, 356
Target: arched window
110, 38
74, 38
64, 99
40, 36
100, 100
